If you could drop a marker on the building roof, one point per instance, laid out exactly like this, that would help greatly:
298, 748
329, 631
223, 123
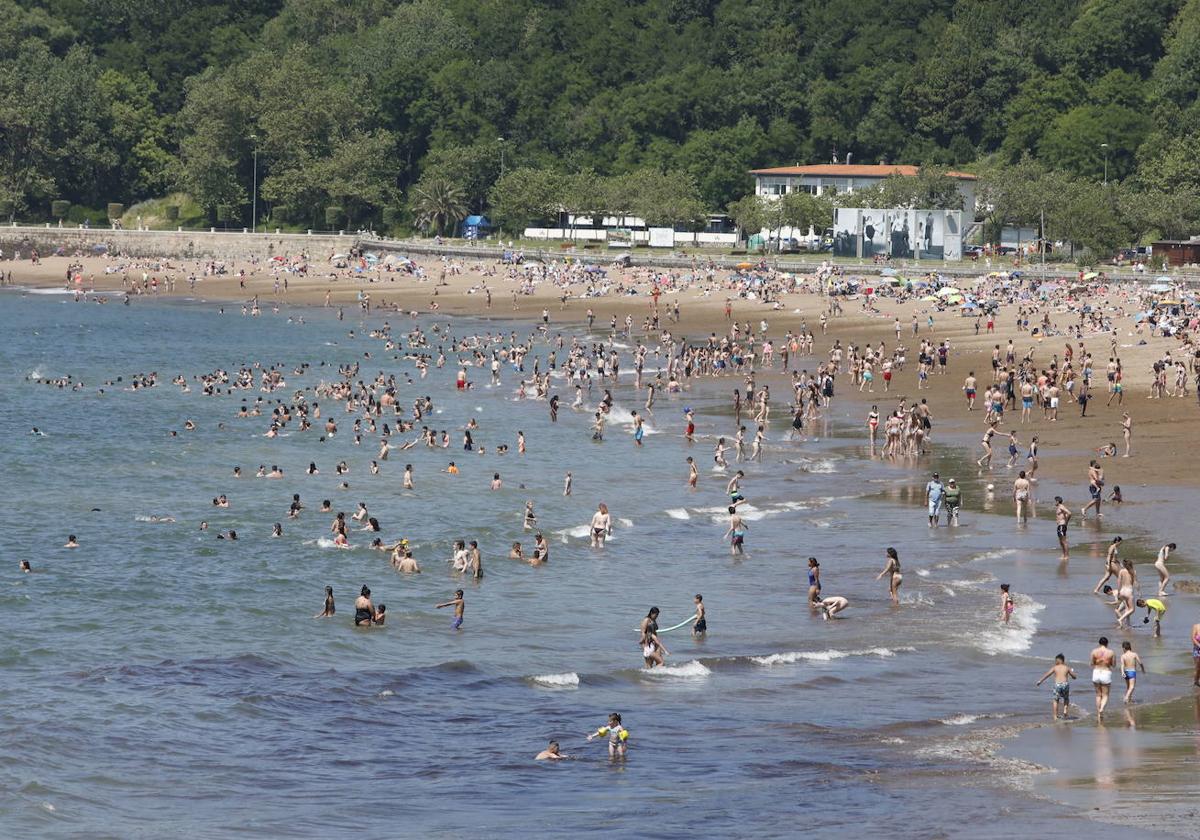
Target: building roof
856, 170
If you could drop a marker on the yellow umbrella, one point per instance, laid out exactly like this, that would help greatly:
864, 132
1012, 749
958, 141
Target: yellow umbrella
744, 265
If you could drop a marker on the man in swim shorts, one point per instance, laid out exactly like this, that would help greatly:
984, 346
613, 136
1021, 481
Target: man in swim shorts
1130, 662
1103, 661
1062, 674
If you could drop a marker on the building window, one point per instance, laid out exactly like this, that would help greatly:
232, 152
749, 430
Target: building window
811, 189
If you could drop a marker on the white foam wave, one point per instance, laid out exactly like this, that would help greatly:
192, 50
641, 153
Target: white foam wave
325, 542
678, 513
568, 680
993, 555
792, 657
625, 523
962, 720
1017, 635
690, 670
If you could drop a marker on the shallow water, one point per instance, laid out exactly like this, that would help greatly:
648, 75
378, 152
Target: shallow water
157, 679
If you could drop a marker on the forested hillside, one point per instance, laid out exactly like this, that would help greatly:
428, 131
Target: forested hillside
351, 103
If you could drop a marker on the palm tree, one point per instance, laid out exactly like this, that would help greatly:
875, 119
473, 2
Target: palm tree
438, 203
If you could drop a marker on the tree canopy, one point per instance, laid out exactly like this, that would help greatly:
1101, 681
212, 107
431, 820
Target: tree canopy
354, 103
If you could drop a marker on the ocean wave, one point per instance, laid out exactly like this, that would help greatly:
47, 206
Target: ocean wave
692, 669
824, 655
567, 680
678, 513
961, 720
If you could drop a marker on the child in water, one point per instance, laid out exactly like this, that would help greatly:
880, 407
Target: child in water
617, 736
459, 607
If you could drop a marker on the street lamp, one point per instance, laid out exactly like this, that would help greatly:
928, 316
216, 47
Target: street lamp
254, 190
1104, 146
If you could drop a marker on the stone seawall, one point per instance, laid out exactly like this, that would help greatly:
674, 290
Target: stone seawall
188, 244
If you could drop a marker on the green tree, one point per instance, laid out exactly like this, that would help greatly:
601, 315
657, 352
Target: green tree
526, 195
1082, 139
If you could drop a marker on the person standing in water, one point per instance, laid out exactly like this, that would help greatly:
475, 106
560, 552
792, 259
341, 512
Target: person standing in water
1130, 662
1112, 564
1062, 674
601, 525
329, 609
736, 534
1160, 564
1196, 653
460, 606
892, 569
700, 625
1155, 608
814, 581
1095, 489
1022, 492
953, 502
617, 736
1103, 661
934, 491
364, 610
1062, 518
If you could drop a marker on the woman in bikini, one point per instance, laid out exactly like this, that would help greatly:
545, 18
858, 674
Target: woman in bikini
893, 569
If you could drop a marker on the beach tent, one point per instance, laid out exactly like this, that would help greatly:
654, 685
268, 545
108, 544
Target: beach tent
1159, 287
474, 227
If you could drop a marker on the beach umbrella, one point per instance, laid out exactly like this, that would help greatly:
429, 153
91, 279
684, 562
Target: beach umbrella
949, 291
930, 298
954, 299
1159, 287
970, 305
744, 265
889, 272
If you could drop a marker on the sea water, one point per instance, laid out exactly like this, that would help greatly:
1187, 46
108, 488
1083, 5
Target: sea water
158, 680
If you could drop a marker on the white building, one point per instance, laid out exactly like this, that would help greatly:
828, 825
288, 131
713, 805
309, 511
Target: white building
823, 178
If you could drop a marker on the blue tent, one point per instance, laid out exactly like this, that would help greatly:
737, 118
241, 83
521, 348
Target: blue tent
474, 227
